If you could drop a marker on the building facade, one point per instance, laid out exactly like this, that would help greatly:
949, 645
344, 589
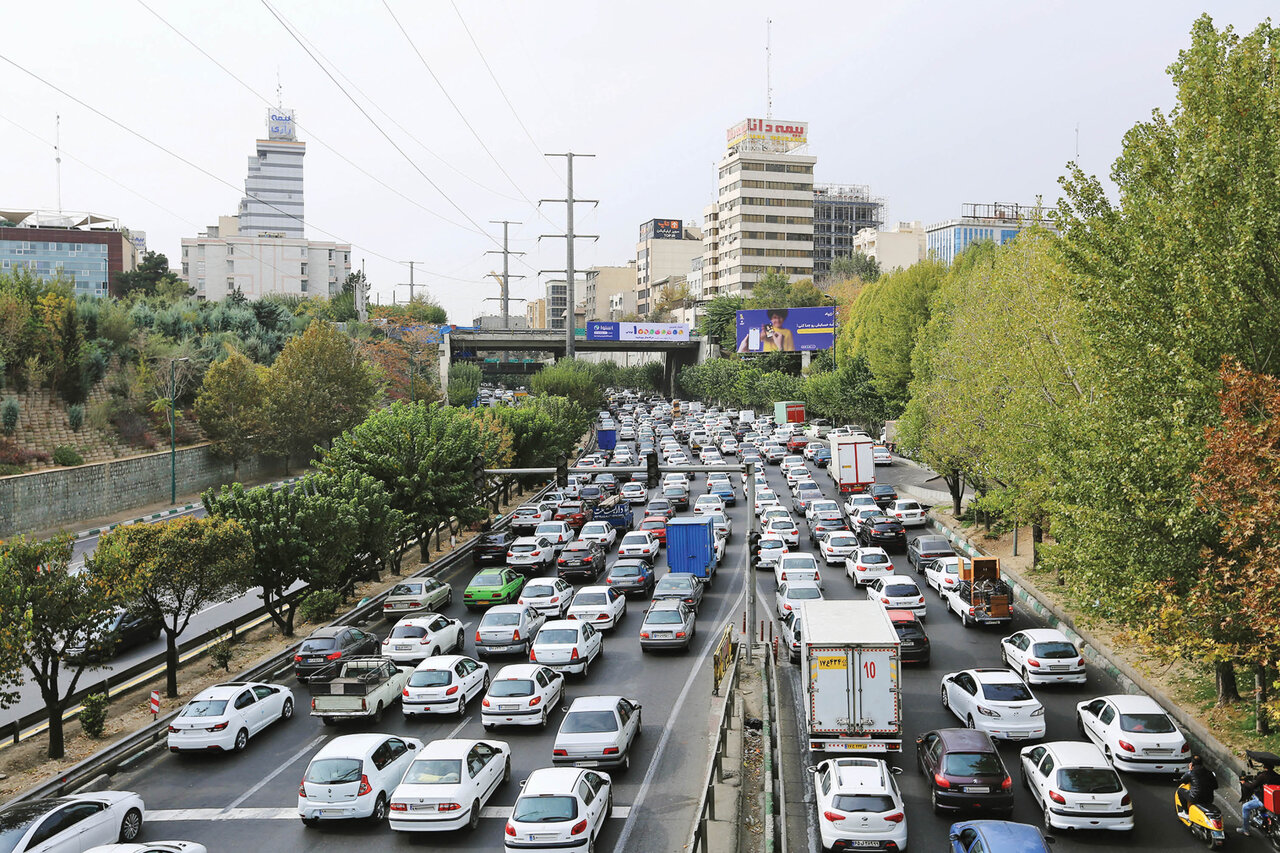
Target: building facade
665, 249
602, 283
840, 211
895, 249
535, 313
221, 261
74, 247
708, 284
998, 222
272, 204
557, 302
493, 322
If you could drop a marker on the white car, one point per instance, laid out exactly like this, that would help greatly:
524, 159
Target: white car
857, 502
771, 550
773, 512
601, 532
837, 547
639, 543
881, 456
995, 701
448, 784
225, 716
909, 512
602, 606
796, 474
674, 478
721, 523
415, 638
532, 552
824, 505
1043, 656
785, 529
149, 847
791, 593
560, 808
864, 565
708, 503
790, 462
444, 685
796, 566
942, 573
352, 776
597, 731
859, 804
729, 447
634, 493
568, 645
508, 628
549, 596
73, 823
1134, 732
765, 497
1076, 787
521, 694
898, 592
558, 533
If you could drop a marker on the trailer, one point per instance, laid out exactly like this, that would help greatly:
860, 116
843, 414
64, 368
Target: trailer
853, 466
691, 547
981, 596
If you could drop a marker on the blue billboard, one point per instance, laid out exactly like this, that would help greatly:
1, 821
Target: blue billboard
786, 329
602, 331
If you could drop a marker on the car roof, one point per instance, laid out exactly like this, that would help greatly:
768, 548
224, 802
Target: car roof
1134, 703
453, 747
220, 691
507, 608
966, 740
1045, 635
440, 662
888, 579
1076, 753
519, 670
595, 703
353, 744
665, 604
328, 631
867, 775
992, 675
1006, 835
551, 780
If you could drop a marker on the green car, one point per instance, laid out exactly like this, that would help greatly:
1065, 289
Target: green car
493, 586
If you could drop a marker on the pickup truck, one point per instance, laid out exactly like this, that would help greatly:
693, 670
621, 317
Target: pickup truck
357, 687
980, 596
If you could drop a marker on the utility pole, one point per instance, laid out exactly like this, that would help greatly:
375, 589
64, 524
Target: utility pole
569, 237
753, 526
410, 283
506, 269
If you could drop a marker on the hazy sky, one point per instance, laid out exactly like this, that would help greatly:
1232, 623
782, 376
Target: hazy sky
931, 104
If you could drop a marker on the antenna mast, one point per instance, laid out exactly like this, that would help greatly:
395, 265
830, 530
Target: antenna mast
57, 155
768, 67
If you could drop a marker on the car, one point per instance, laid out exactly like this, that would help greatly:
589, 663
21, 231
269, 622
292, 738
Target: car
964, 771
791, 623
708, 503
898, 592
859, 517
148, 847
773, 453
1134, 732
796, 443
804, 494
522, 694
912, 639
527, 518
560, 808
729, 447
659, 506
771, 549
123, 628
558, 533
880, 455
641, 544
415, 638
821, 505
826, 523
353, 776
909, 512
679, 587
225, 716
531, 554
797, 474
1076, 787
859, 805
785, 529
657, 525
883, 494
444, 684
724, 491
634, 493
549, 596
632, 577
863, 565
590, 494
581, 559
721, 523
668, 624
574, 513
677, 494
493, 586
330, 644
602, 606
1043, 656
884, 531
567, 645
791, 462
996, 836
597, 731
942, 573
791, 593
796, 566
921, 549
765, 497
447, 785
602, 533
859, 501
808, 451
995, 701
822, 457
491, 547
508, 629
416, 595
72, 823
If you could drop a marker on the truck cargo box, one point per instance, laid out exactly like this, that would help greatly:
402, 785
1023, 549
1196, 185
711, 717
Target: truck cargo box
691, 546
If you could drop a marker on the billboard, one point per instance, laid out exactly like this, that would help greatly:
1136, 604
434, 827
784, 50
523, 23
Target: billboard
605, 331
786, 329
662, 229
280, 124
774, 135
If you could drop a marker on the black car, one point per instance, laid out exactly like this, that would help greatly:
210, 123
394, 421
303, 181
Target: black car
677, 495
607, 482
491, 548
328, 645
122, 630
632, 576
964, 772
923, 550
581, 560
883, 531
913, 640
883, 494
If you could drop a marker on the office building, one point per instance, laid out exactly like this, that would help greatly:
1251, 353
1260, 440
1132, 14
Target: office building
694, 279
535, 312
708, 286
493, 322
999, 222
89, 250
665, 249
602, 283
222, 260
557, 301
272, 203
839, 212
894, 249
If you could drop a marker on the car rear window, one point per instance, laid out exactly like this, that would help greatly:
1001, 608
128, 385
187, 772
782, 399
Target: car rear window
589, 598
586, 722
523, 548
901, 590
804, 592
910, 631
547, 808
487, 579
537, 590
874, 803
205, 708
406, 589
402, 632
430, 678
508, 618
1006, 692
1054, 650
558, 637
620, 571
434, 771
334, 771
1154, 723
972, 764
317, 644
511, 687
1088, 780
664, 617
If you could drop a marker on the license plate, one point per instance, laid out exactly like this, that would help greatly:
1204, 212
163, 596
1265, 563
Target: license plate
544, 836
1095, 807
866, 843
315, 660
404, 647
662, 635
976, 789
1017, 735
1218, 833
424, 808
508, 707
586, 763
1157, 752
331, 811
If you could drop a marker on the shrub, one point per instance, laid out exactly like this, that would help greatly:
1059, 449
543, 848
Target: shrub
221, 653
10, 470
133, 428
13, 453
9, 412
93, 714
318, 605
75, 416
67, 456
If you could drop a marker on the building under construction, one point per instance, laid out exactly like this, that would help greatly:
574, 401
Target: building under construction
840, 211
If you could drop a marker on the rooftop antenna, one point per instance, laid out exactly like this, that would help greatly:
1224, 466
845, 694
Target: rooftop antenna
1077, 142
768, 69
57, 155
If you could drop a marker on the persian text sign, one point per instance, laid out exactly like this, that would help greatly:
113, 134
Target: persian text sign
788, 134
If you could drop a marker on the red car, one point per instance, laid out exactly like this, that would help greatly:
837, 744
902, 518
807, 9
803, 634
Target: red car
657, 525
572, 513
797, 443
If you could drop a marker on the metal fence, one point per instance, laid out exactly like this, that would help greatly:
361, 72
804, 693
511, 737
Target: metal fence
707, 801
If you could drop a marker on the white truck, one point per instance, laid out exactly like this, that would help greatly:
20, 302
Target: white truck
852, 466
357, 687
849, 654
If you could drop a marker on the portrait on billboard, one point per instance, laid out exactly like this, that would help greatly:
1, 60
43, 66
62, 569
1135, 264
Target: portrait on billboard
786, 329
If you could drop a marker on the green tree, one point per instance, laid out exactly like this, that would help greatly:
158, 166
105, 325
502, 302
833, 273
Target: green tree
151, 274
569, 378
718, 320
231, 406
855, 264
464, 383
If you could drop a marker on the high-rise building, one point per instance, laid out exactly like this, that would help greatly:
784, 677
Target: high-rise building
666, 246
603, 283
272, 203
557, 301
535, 312
999, 222
89, 250
708, 284
839, 213
765, 216
894, 249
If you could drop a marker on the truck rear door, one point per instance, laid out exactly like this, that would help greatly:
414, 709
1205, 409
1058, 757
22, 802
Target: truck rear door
831, 689
877, 693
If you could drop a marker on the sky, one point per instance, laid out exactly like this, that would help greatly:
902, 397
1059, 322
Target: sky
426, 120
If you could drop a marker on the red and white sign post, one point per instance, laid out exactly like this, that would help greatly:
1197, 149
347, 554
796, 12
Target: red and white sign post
155, 703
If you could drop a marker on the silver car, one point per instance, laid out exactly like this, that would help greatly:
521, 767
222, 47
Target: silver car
679, 587
667, 625
597, 731
508, 629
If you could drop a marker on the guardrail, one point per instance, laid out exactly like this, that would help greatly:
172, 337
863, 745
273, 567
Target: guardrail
775, 791
707, 800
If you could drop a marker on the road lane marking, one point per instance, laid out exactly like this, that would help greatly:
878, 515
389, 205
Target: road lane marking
459, 727
200, 815
274, 773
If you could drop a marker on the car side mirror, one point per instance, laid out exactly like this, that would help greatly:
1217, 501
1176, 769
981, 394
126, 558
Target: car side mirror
812, 768
896, 771
955, 836
1049, 839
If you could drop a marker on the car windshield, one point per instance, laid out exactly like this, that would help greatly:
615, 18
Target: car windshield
434, 771
1152, 723
972, 764
766, 544
487, 579
584, 722
901, 590
512, 687
538, 590
406, 589
334, 771
1054, 650
874, 803
664, 617
804, 592
404, 632
558, 637
205, 708
589, 598
547, 808
15, 821
1007, 692
490, 619
1089, 780
317, 644
430, 678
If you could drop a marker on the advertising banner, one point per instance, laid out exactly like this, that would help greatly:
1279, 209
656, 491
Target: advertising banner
787, 329
653, 331
602, 331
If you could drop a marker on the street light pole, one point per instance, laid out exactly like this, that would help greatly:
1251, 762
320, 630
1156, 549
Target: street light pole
173, 430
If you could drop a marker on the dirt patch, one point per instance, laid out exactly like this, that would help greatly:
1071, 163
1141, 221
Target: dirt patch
751, 831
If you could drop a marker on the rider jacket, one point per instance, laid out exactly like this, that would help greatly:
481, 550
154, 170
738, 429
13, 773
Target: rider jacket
1202, 785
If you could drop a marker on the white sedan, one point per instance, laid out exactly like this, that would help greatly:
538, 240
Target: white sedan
942, 573
708, 503
444, 685
764, 498
70, 824
837, 547
521, 694
639, 543
995, 701
1043, 656
771, 550
866, 564
559, 807
549, 596
898, 592
1076, 787
597, 731
416, 638
785, 529
152, 847
790, 594
225, 716
1135, 733
567, 645
602, 606
448, 784
601, 532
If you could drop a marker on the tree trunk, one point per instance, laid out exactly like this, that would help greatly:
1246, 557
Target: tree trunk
1224, 673
53, 710
1262, 724
170, 664
955, 483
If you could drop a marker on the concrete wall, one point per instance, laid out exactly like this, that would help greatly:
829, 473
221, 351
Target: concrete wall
45, 500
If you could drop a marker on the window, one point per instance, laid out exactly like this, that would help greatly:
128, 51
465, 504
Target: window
245, 699
1108, 714
263, 692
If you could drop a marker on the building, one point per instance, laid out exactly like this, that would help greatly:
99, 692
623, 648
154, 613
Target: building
272, 203
694, 278
839, 213
708, 284
535, 312
603, 283
222, 260
557, 300
999, 222
765, 215
895, 249
89, 250
494, 322
665, 249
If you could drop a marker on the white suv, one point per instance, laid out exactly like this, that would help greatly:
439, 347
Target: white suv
859, 804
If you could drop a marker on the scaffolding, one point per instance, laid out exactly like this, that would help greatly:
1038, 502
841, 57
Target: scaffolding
840, 211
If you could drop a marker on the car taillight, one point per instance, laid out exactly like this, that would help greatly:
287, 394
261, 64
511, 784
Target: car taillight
1032, 662
302, 788
365, 787
920, 600
579, 827
679, 634
511, 830
313, 704
297, 658
516, 638
644, 635
1057, 798
536, 700
941, 781
1186, 747
510, 553
1126, 746
1007, 783
452, 690
449, 807
399, 807
484, 702
1080, 662
1126, 799
896, 817
574, 655
387, 606
786, 607
602, 616
477, 636
333, 656
784, 575
219, 727
554, 600
405, 692
833, 816
172, 729
564, 753
610, 750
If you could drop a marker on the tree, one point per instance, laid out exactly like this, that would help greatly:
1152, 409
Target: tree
855, 265
569, 378
151, 274
44, 608
718, 320
231, 406
464, 383
187, 564
420, 309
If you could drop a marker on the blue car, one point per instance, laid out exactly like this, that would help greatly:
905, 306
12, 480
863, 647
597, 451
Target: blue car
726, 494
822, 457
996, 836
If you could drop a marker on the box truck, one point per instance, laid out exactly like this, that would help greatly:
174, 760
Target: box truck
607, 439
852, 465
849, 655
691, 547
788, 412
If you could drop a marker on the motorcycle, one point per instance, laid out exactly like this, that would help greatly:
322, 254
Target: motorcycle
1205, 822
1265, 821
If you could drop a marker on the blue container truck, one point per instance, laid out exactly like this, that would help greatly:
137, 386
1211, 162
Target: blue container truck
620, 515
606, 439
691, 547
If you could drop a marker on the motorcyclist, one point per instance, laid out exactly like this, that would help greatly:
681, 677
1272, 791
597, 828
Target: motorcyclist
1201, 784
1251, 794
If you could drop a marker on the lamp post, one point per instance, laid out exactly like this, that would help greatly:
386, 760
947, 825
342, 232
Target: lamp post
173, 430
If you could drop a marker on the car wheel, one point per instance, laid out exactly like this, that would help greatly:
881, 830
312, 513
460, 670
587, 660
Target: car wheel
626, 761
1106, 753
586, 666
473, 821
487, 726
242, 740
1048, 818
310, 822
379, 809
608, 809
964, 620
506, 772
448, 601
457, 647
933, 801
542, 722
131, 826
485, 689
462, 704
969, 722
328, 721
377, 713
1080, 726
287, 710
945, 704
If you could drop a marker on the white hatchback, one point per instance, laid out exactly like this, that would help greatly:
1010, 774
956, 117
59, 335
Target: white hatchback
448, 784
1043, 656
521, 694
444, 685
1135, 733
785, 529
866, 564
837, 548
352, 776
567, 645
942, 573
600, 532
1076, 787
995, 701
560, 808
708, 503
909, 512
898, 592
225, 716
640, 544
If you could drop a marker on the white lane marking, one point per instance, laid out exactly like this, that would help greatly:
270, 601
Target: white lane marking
459, 727
196, 815
274, 773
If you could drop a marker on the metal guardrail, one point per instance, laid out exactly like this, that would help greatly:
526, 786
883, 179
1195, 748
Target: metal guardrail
707, 800
775, 792
720, 660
